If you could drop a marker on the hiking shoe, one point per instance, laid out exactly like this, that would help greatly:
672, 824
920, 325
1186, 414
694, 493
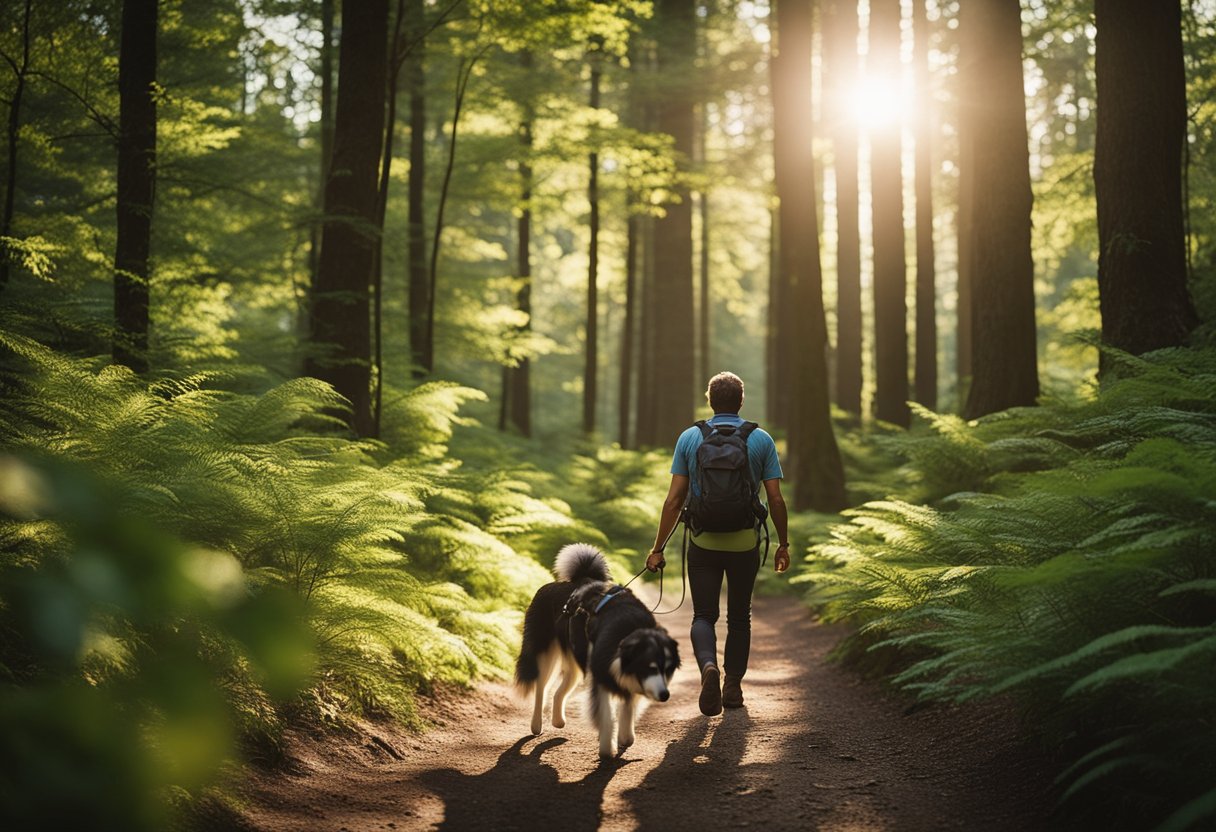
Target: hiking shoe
711, 693
732, 692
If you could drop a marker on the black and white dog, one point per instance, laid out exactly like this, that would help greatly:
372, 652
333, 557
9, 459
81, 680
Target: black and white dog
588, 625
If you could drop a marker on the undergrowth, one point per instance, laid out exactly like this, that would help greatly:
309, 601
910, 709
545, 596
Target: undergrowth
1061, 556
219, 563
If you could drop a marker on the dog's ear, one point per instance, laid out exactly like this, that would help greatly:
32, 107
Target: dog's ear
628, 648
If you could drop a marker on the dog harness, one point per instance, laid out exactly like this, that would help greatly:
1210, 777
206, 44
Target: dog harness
607, 597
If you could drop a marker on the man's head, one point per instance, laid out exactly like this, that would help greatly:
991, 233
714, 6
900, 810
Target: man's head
725, 393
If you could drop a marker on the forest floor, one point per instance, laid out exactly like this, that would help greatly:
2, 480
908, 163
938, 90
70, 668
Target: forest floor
814, 747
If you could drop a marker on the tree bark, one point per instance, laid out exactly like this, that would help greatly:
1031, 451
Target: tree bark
673, 284
625, 402
926, 278
591, 364
1141, 133
517, 380
890, 266
14, 132
136, 181
814, 463
339, 319
327, 130
419, 285
992, 131
840, 54
463, 73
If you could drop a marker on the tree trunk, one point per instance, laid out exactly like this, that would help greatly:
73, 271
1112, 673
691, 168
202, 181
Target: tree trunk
517, 380
890, 266
396, 56
673, 296
840, 54
647, 432
339, 320
780, 293
327, 130
707, 367
419, 285
591, 365
776, 386
14, 131
625, 403
814, 460
463, 73
926, 290
136, 181
992, 133
1142, 274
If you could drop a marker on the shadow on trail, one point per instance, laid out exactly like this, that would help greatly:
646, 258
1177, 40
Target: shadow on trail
522, 791
701, 778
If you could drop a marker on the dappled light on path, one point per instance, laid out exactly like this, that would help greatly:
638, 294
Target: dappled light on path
814, 747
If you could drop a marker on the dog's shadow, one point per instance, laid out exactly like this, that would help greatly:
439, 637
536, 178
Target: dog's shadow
522, 791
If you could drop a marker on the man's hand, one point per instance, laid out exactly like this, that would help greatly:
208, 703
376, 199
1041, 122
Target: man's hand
654, 560
781, 560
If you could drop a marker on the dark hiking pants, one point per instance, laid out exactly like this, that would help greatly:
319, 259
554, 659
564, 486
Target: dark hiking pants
706, 568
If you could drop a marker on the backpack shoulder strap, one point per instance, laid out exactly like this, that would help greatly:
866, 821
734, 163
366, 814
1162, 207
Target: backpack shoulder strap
706, 428
745, 430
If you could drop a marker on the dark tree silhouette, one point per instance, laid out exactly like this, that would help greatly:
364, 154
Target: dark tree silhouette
840, 58
673, 355
1141, 130
925, 372
992, 132
890, 265
340, 333
814, 463
136, 181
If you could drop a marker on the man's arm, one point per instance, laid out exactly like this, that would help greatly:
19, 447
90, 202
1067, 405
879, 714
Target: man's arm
777, 510
668, 519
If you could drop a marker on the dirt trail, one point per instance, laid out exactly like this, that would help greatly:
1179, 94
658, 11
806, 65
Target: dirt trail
814, 748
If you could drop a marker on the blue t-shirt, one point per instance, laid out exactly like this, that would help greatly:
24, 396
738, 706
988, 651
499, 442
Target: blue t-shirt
761, 455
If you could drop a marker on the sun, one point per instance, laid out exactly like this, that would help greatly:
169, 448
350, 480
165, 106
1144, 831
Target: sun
880, 102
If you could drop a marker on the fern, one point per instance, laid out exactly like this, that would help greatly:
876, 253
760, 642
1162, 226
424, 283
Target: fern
1060, 555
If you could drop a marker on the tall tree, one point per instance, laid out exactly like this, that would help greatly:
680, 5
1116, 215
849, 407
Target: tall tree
992, 135
779, 351
136, 181
464, 72
840, 56
595, 57
418, 280
815, 463
339, 318
516, 408
926, 279
327, 129
625, 400
673, 355
21, 69
890, 265
1142, 273
399, 51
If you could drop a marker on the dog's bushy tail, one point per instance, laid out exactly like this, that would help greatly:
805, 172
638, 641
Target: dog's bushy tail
580, 562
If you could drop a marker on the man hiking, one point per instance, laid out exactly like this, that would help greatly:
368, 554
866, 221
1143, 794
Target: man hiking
717, 468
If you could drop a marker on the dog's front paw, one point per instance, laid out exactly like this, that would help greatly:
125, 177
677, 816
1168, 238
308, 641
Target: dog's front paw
559, 721
607, 750
536, 726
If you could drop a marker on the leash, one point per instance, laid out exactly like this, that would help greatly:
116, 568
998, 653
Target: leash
662, 564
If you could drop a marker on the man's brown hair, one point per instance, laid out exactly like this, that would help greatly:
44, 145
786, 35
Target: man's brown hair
725, 393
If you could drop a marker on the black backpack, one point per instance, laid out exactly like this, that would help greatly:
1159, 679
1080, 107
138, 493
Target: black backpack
727, 501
